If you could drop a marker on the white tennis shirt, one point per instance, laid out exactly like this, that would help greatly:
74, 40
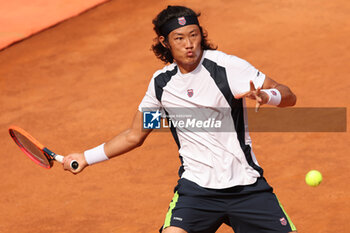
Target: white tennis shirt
211, 159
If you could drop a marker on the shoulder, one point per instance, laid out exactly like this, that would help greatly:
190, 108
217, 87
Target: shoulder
168, 70
162, 76
224, 60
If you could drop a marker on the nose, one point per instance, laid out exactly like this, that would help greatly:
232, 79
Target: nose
189, 43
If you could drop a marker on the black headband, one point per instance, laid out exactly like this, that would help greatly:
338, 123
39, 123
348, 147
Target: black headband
176, 23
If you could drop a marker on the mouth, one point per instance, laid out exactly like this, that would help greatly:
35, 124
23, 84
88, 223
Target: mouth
190, 54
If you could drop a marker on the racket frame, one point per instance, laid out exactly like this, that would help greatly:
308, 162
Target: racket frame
49, 155
35, 142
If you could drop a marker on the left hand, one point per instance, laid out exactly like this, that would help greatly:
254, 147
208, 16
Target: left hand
255, 94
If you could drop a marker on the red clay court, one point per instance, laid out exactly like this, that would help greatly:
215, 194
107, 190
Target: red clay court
77, 84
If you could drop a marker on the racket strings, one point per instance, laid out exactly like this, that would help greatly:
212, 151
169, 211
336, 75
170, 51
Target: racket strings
31, 149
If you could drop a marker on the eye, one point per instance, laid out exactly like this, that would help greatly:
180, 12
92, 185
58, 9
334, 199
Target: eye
178, 38
194, 35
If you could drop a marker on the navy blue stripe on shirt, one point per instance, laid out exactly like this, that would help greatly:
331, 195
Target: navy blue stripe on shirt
218, 73
162, 80
159, 83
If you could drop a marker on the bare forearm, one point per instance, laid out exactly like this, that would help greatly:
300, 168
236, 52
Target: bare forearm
128, 139
288, 97
122, 143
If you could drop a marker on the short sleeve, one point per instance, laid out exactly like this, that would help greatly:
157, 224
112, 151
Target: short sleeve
240, 73
150, 100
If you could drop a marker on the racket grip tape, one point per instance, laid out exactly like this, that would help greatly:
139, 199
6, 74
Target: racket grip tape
73, 164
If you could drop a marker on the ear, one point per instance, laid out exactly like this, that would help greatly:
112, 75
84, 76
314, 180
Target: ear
163, 42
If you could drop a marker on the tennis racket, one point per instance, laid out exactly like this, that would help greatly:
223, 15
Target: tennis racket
40, 154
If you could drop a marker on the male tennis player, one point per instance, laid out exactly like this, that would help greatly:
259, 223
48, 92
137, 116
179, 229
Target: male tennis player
220, 179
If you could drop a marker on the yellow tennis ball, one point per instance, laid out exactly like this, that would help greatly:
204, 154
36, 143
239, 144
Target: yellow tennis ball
313, 178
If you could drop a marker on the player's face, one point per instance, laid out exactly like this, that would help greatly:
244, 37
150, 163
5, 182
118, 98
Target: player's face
185, 46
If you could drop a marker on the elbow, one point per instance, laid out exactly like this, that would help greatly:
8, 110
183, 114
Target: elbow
293, 100
288, 101
139, 143
135, 140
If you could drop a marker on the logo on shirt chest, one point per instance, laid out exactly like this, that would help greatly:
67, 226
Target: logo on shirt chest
190, 92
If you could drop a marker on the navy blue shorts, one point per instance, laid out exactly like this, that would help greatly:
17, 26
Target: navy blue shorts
252, 208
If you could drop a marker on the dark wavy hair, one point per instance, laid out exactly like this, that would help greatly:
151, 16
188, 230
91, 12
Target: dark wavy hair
171, 12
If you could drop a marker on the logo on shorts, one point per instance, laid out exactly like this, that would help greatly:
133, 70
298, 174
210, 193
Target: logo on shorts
274, 93
190, 92
283, 221
151, 119
177, 218
181, 20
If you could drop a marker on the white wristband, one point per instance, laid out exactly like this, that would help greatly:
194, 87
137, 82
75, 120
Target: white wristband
274, 96
95, 155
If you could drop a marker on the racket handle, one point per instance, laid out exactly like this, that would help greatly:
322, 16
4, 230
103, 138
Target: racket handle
73, 164
59, 158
